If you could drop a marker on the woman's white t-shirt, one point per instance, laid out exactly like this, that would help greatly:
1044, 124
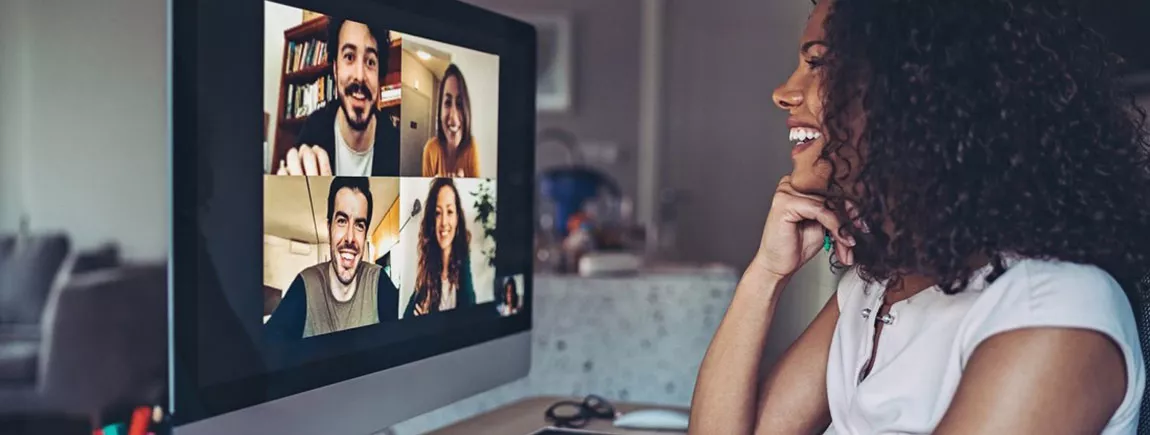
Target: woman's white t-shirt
922, 353
447, 300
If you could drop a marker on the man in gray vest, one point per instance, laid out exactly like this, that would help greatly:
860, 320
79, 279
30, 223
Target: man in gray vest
344, 292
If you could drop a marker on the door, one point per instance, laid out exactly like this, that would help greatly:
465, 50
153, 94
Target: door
415, 128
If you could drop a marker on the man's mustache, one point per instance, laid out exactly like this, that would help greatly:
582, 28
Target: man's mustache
358, 87
347, 246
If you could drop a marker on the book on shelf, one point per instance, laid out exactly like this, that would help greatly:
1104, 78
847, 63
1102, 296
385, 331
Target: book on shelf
305, 54
302, 100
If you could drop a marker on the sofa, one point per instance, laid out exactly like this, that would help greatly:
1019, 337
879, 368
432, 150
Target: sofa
80, 332
30, 267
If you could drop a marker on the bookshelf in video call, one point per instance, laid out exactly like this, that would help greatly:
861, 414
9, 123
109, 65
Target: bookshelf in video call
306, 80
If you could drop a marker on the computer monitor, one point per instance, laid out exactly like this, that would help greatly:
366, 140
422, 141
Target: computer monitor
352, 203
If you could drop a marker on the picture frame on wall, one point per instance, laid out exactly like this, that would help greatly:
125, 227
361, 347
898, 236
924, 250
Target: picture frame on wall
556, 61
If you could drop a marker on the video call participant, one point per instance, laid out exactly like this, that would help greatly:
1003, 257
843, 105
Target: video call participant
443, 279
509, 297
347, 137
344, 292
452, 153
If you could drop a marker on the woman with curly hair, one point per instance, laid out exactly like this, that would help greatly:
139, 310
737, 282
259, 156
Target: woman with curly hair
443, 276
986, 182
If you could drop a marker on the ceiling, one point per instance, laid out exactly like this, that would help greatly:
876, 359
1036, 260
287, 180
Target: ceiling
287, 212
437, 63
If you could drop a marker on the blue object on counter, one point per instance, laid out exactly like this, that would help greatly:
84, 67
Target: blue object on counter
569, 188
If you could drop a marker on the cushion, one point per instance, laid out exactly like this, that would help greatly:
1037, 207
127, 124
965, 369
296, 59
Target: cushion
7, 242
27, 276
18, 362
19, 331
101, 258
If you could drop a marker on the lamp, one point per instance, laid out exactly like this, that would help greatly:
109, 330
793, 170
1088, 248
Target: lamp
416, 207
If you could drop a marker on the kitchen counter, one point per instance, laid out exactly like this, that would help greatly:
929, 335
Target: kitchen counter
633, 338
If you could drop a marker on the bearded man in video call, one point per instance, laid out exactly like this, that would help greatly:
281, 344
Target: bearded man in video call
347, 136
344, 292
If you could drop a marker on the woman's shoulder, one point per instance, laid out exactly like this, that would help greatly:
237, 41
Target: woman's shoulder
1035, 293
431, 144
1045, 287
1059, 294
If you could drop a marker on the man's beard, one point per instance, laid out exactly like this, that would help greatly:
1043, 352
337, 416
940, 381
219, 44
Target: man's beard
336, 259
353, 121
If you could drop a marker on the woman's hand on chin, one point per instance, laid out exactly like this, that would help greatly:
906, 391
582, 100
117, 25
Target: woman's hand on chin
794, 232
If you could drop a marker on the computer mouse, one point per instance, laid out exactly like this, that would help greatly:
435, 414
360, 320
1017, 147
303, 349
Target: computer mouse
655, 419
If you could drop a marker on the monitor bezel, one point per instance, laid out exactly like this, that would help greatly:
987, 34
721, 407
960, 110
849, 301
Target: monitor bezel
190, 401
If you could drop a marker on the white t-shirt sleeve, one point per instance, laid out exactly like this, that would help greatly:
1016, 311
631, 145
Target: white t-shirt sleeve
1037, 293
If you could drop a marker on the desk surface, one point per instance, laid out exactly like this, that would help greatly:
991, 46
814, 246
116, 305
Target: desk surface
526, 416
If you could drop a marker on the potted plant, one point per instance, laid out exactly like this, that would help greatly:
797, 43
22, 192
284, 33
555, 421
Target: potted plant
485, 215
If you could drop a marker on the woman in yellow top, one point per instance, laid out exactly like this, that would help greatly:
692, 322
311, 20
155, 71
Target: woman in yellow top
451, 153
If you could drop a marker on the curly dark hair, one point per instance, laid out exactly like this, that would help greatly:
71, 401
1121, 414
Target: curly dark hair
428, 280
992, 128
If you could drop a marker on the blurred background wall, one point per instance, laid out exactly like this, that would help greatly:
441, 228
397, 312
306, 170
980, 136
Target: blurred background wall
83, 138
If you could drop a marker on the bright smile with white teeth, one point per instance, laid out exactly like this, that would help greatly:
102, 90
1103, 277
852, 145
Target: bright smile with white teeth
804, 135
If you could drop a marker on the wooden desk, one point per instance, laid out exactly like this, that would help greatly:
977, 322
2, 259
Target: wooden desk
526, 416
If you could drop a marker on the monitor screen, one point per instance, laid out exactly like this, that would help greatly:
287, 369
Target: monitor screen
386, 216
380, 203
